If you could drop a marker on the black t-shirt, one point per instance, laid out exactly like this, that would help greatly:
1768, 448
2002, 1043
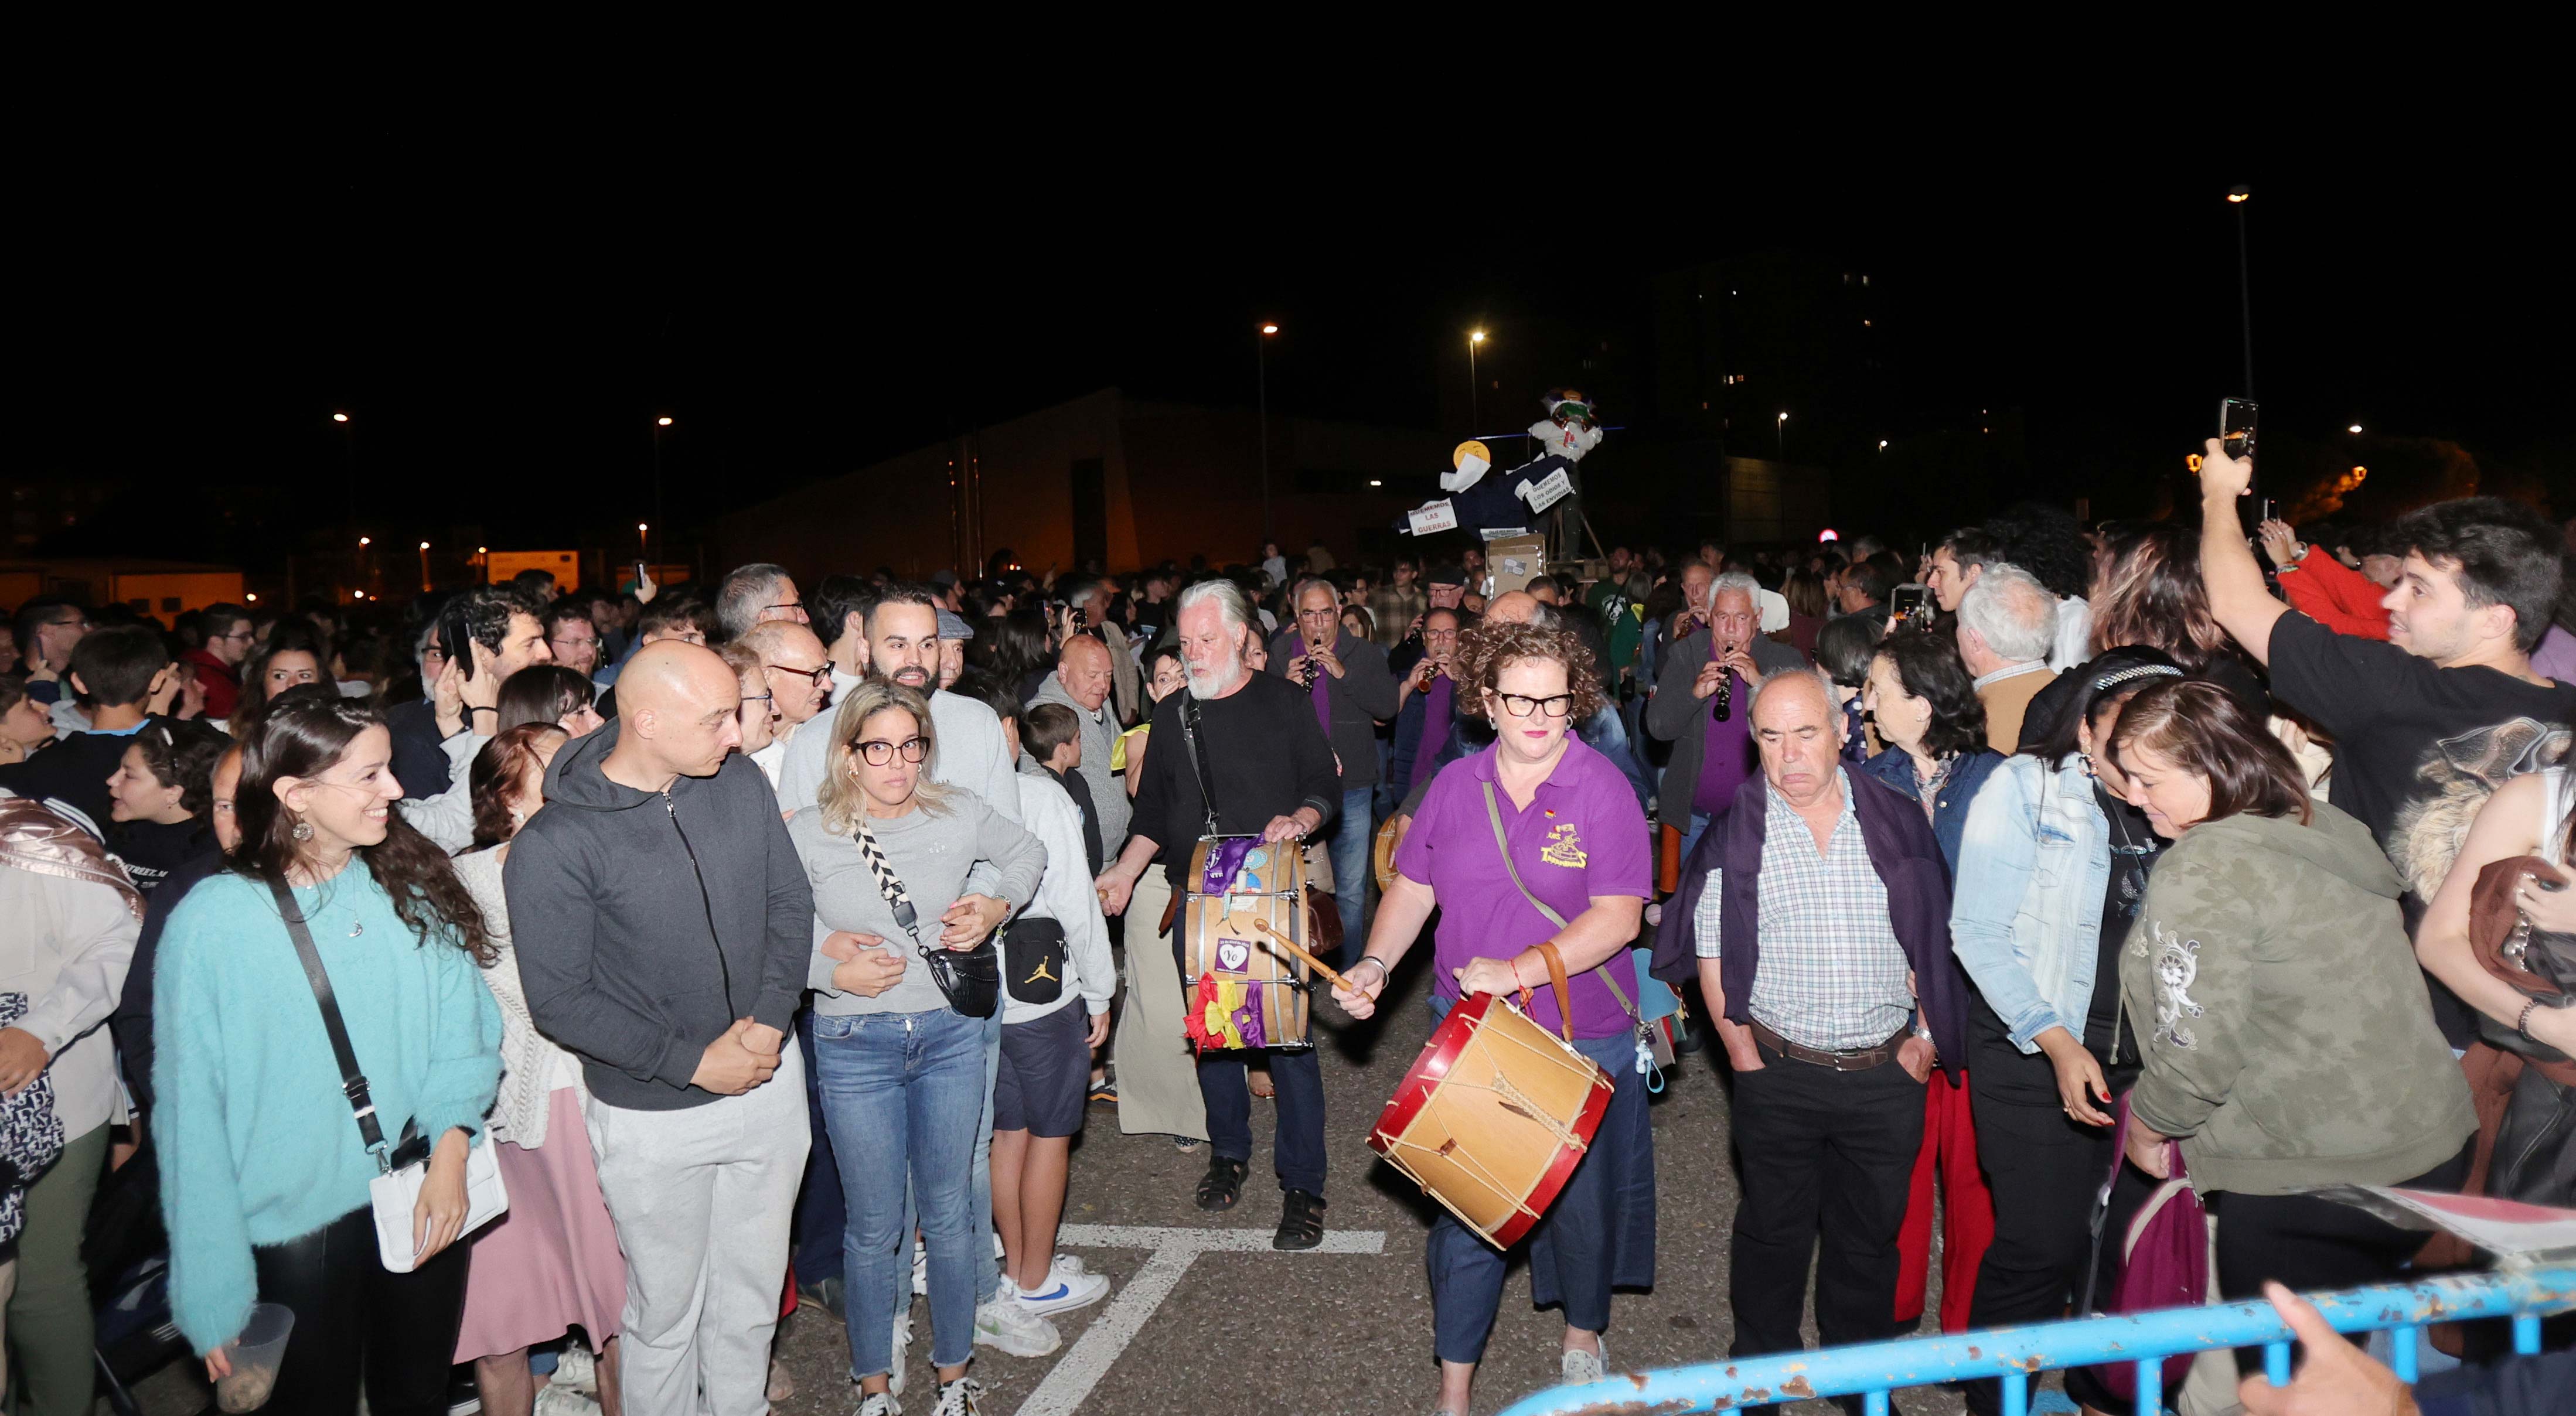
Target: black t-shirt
73, 771
2418, 748
151, 850
1267, 751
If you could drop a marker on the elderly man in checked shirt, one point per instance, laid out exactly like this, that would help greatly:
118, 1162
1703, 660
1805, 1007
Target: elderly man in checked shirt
1824, 951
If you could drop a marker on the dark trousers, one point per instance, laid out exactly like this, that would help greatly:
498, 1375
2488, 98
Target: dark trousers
2311, 1243
2044, 1169
352, 1317
1299, 1136
822, 1215
1827, 1156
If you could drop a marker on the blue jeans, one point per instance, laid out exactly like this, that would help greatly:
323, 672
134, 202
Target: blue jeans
988, 1268
900, 1100
1297, 1138
820, 1215
1351, 833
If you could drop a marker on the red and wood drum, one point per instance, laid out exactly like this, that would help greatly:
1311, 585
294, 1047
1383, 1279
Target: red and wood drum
1493, 1117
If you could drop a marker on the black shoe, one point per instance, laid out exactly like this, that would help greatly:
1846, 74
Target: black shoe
825, 1294
1222, 1186
1301, 1221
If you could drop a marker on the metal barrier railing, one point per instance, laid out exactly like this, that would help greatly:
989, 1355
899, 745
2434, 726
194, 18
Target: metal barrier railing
2019, 1354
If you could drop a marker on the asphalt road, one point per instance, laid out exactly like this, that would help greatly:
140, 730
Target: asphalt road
1258, 1332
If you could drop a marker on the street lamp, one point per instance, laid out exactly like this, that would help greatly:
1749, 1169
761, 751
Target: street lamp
659, 423
2354, 428
339, 417
639, 541
1261, 374
424, 567
1474, 389
1783, 426
349, 452
1882, 444
2237, 197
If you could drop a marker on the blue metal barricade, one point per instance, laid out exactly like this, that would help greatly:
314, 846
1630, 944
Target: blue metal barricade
2020, 1354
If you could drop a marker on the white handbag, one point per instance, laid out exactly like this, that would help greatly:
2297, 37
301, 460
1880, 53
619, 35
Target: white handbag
394, 1194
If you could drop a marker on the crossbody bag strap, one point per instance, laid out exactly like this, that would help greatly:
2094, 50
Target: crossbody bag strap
1198, 758
889, 885
1565, 999
353, 1083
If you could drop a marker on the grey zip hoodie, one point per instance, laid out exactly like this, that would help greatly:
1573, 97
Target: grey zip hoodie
647, 922
2286, 1030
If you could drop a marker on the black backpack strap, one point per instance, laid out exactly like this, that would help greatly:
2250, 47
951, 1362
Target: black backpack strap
353, 1083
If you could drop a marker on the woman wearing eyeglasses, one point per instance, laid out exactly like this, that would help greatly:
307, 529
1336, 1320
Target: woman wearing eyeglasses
902, 1074
1577, 844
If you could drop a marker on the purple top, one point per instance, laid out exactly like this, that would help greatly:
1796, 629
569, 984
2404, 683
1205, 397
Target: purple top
1438, 702
1583, 835
2555, 656
1728, 760
1322, 692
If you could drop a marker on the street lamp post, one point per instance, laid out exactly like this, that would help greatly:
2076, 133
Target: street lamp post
1474, 388
363, 543
424, 567
2237, 197
640, 542
1261, 375
1783, 425
658, 425
349, 447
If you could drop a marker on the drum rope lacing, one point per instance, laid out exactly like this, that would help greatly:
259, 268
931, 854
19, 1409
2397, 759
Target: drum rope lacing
1520, 1103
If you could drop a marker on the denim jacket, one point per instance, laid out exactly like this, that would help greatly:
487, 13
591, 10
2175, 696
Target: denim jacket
2026, 911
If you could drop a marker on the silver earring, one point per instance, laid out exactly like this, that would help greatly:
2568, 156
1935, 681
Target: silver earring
303, 831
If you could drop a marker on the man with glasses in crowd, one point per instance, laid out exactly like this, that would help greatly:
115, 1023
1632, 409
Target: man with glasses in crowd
48, 626
798, 676
572, 635
753, 593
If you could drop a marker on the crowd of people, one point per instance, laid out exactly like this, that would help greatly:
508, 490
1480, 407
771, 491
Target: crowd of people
770, 941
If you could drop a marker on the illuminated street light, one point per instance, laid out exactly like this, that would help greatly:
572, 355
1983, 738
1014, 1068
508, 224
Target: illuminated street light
252, 597
1261, 388
661, 422
2238, 194
2354, 428
1474, 389
339, 417
1270, 329
364, 542
1882, 444
1783, 428
1375, 482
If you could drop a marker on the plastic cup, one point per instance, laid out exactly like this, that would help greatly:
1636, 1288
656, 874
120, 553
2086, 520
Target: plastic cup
254, 1357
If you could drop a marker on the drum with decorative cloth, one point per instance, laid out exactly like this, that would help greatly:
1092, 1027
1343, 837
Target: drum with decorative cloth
1240, 989
1493, 1117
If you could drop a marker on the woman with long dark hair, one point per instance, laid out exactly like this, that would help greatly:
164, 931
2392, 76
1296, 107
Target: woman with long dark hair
2147, 591
2284, 1031
2052, 866
291, 658
264, 1172
552, 1263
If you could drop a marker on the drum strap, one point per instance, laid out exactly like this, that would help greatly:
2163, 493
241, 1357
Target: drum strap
1555, 961
1198, 758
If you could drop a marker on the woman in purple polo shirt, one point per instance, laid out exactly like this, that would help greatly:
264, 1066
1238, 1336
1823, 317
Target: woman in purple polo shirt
1578, 842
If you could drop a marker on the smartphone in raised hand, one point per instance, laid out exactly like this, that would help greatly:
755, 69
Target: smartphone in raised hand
2236, 427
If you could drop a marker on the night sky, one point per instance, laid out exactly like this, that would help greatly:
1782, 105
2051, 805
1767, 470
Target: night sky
504, 313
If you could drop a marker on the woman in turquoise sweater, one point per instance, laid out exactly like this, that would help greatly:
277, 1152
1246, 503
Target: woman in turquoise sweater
264, 1174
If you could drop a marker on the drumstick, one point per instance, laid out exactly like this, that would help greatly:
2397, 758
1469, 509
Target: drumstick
1312, 962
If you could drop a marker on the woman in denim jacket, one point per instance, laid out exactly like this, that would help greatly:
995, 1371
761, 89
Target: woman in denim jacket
2051, 868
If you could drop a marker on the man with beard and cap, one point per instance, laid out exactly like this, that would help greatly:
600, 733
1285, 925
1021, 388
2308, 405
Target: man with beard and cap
1271, 775
903, 646
1445, 589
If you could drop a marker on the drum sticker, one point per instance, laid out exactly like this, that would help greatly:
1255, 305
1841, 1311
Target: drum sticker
1232, 955
1564, 847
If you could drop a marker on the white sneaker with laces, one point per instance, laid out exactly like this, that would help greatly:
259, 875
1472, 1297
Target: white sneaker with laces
577, 1369
1003, 1322
902, 1348
564, 1401
1578, 1366
881, 1404
920, 1269
962, 1397
1067, 1266
1065, 1291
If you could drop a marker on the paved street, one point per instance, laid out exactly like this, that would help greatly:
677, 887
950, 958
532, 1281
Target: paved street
1196, 1325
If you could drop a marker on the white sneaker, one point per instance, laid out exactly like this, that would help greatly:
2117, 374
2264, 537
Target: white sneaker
564, 1401
577, 1369
1065, 1291
1578, 1367
881, 1404
961, 1397
920, 1269
902, 1349
1002, 1322
1067, 1266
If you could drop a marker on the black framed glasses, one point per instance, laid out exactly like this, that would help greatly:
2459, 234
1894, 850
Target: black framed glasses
759, 697
1521, 705
878, 752
822, 675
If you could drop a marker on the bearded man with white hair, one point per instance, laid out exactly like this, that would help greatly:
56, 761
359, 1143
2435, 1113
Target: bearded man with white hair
1270, 773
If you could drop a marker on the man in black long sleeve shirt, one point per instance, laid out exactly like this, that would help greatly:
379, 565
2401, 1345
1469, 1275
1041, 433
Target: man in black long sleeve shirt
1275, 778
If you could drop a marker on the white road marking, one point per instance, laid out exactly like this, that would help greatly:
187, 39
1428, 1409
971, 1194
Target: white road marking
1175, 1248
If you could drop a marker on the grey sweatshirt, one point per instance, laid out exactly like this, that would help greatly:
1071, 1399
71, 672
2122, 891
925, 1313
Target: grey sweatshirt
646, 922
931, 851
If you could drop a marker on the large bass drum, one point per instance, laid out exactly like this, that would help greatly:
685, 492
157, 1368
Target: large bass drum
1257, 991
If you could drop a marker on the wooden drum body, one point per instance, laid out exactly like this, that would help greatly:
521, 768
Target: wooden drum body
1493, 1117
1235, 884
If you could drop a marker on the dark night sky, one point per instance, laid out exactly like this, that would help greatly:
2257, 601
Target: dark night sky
505, 311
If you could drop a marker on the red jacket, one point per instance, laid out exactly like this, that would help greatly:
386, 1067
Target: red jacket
223, 687
2336, 596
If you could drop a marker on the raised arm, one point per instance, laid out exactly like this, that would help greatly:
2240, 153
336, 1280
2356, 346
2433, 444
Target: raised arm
2234, 583
2506, 827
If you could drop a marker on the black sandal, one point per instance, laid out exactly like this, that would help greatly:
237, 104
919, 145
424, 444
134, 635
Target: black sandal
1301, 1221
1222, 1186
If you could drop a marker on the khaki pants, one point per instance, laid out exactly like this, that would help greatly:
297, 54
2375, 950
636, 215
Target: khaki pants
1158, 1079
